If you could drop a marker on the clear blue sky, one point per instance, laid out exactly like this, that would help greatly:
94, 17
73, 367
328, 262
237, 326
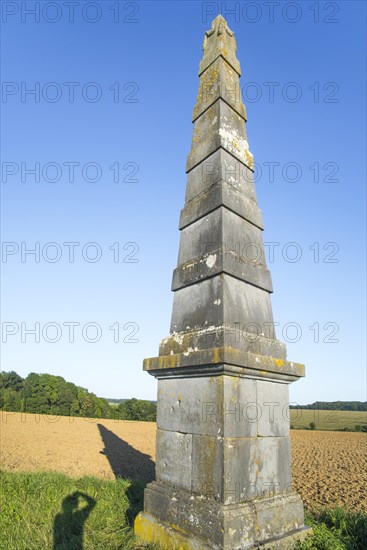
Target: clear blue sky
151, 55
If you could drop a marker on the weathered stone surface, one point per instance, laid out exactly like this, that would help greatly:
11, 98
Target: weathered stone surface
219, 526
149, 529
219, 81
221, 456
219, 41
223, 406
175, 450
221, 242
273, 465
220, 166
223, 360
219, 126
223, 450
249, 306
273, 399
207, 235
208, 470
235, 470
212, 406
220, 194
223, 299
233, 336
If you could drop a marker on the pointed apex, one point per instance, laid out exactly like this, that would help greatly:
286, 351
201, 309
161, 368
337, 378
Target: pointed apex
219, 41
219, 26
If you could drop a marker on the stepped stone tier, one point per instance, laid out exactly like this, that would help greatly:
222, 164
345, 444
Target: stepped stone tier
223, 466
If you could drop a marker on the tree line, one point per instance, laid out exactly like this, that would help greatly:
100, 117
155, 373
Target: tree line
334, 406
53, 395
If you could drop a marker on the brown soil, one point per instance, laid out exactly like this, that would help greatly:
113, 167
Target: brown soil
329, 468
77, 446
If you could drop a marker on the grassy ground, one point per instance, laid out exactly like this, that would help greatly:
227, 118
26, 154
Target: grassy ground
327, 420
54, 512
336, 530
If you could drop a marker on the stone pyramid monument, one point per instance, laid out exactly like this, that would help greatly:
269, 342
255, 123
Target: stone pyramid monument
223, 466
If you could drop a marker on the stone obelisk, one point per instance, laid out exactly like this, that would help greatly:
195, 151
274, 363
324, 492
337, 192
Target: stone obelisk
223, 463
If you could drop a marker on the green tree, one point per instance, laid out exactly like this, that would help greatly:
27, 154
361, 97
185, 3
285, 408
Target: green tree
10, 400
35, 393
11, 380
137, 409
49, 394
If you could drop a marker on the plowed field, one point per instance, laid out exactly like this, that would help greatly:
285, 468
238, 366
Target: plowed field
329, 468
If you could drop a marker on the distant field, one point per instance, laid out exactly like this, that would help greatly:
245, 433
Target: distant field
328, 420
324, 420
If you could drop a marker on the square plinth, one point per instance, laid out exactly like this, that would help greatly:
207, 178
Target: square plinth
178, 520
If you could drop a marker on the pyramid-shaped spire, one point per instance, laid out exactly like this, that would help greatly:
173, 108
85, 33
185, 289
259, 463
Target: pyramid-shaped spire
223, 463
221, 311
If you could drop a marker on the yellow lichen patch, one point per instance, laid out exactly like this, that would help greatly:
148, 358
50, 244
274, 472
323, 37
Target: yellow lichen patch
228, 69
177, 528
216, 355
234, 383
211, 75
233, 353
149, 530
147, 363
208, 86
168, 361
189, 264
209, 452
249, 159
197, 137
279, 362
235, 145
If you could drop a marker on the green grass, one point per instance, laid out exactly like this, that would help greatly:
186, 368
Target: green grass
45, 511
33, 516
327, 420
336, 530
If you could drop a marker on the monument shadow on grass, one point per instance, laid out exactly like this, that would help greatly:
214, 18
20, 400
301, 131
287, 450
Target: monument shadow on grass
128, 463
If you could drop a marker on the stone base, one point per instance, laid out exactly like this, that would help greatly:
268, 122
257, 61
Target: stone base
178, 520
150, 531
